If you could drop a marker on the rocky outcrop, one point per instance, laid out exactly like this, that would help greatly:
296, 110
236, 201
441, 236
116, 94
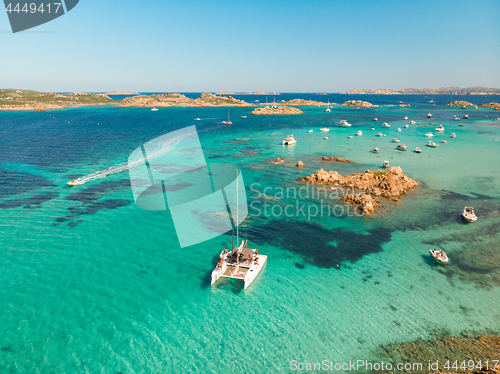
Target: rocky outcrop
365, 203
338, 159
495, 106
400, 105
390, 183
306, 102
278, 110
176, 99
476, 90
359, 103
300, 164
460, 103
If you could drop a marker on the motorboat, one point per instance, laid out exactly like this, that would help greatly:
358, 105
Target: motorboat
406, 126
74, 182
453, 135
399, 129
375, 119
463, 107
241, 263
243, 116
325, 129
228, 122
309, 131
402, 147
417, 150
344, 123
439, 256
375, 150
429, 134
444, 141
372, 128
350, 137
406, 117
429, 115
466, 116
197, 119
154, 109
326, 138
386, 164
290, 140
460, 124
457, 119
359, 133
412, 122
432, 144
380, 134
395, 140
469, 215
439, 128
386, 125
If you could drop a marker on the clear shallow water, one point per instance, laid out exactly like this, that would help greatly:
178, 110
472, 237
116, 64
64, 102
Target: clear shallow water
90, 283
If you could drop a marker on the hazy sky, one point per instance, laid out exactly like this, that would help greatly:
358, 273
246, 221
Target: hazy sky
289, 45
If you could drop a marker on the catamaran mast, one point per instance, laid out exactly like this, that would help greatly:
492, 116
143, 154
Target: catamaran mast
236, 223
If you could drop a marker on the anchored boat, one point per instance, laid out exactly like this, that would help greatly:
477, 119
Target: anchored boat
469, 215
439, 256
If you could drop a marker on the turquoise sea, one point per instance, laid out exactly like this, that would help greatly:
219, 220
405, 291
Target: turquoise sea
89, 283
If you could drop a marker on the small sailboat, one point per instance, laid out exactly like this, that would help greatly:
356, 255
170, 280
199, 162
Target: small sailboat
241, 262
386, 125
439, 256
402, 147
228, 122
328, 110
290, 140
154, 109
469, 215
417, 150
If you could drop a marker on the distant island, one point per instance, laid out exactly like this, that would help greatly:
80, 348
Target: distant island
176, 99
122, 93
247, 93
476, 90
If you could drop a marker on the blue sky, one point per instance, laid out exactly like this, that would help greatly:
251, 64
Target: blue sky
287, 46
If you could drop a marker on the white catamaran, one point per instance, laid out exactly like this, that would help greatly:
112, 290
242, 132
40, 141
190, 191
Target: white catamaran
241, 263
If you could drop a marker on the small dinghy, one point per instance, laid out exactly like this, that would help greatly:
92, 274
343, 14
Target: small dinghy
417, 150
469, 215
386, 165
439, 256
375, 150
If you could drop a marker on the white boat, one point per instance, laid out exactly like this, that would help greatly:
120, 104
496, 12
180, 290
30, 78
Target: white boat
243, 116
406, 126
406, 117
359, 133
395, 140
386, 164
325, 129
453, 135
326, 138
444, 141
197, 119
439, 256
380, 134
469, 215
463, 107
386, 125
350, 137
399, 129
412, 122
417, 150
375, 119
309, 131
154, 109
402, 147
328, 110
375, 150
344, 123
466, 116
372, 128
432, 144
429, 134
241, 263
457, 119
439, 128
73, 183
228, 122
290, 140
429, 115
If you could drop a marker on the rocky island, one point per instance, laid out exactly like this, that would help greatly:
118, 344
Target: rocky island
460, 103
177, 99
390, 183
12, 99
359, 103
122, 93
476, 90
279, 110
299, 102
247, 93
495, 106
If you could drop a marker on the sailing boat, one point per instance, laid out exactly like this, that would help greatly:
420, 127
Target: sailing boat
241, 263
228, 122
